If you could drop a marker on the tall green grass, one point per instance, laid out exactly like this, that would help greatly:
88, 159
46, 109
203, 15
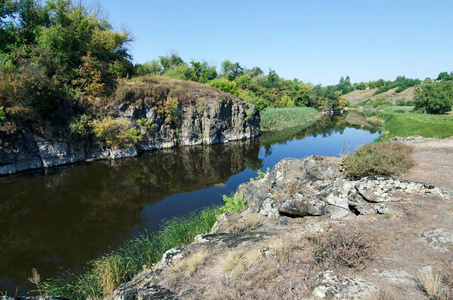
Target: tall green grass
104, 274
408, 124
277, 119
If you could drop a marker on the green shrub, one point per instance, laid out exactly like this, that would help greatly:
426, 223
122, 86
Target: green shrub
170, 107
233, 203
81, 126
400, 102
384, 158
2, 114
225, 85
145, 125
261, 175
115, 132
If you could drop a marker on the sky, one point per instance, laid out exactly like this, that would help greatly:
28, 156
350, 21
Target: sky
314, 41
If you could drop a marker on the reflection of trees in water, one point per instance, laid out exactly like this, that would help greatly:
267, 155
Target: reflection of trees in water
72, 213
327, 126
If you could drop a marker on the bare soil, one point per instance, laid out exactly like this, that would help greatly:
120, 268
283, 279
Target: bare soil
434, 162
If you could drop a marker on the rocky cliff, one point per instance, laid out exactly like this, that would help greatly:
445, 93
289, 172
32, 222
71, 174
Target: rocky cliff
157, 114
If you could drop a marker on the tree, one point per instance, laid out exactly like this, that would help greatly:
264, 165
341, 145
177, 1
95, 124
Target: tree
150, 67
53, 55
345, 85
230, 71
203, 72
170, 61
434, 98
445, 76
8, 9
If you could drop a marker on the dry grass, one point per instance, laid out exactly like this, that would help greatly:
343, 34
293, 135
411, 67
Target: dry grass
110, 272
233, 263
430, 282
343, 246
236, 263
190, 264
282, 248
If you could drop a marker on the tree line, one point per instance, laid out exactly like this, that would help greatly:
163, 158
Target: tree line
250, 85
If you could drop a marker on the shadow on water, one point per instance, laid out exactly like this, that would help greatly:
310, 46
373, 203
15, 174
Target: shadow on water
72, 213
68, 215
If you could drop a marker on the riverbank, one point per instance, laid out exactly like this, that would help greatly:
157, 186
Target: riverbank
311, 233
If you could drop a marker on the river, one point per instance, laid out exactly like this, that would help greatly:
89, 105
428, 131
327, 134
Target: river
64, 216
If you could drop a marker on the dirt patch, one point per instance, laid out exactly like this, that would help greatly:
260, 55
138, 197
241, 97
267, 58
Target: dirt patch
434, 162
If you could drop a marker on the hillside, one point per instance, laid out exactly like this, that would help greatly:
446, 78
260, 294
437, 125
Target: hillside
360, 96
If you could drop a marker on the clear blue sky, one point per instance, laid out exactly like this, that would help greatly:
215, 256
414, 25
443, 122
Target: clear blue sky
315, 41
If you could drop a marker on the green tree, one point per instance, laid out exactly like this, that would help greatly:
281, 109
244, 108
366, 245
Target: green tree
8, 9
345, 85
203, 72
230, 71
434, 98
150, 67
445, 76
170, 61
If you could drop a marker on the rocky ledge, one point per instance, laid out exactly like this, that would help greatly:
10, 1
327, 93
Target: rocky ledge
217, 118
264, 252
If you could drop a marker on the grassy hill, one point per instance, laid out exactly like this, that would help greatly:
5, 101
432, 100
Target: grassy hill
359, 97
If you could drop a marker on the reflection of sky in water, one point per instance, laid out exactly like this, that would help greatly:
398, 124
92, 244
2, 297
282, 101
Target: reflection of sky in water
329, 145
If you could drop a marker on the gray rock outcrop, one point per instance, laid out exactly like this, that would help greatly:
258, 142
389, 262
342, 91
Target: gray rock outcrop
331, 286
438, 239
219, 119
314, 186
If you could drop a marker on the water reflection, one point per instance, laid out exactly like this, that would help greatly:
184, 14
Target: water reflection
72, 213
326, 127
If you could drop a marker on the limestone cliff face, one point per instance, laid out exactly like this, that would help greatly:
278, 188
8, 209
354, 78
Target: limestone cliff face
211, 117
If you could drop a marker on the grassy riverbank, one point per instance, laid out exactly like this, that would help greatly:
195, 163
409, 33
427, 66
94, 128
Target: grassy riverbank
104, 274
407, 124
277, 119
